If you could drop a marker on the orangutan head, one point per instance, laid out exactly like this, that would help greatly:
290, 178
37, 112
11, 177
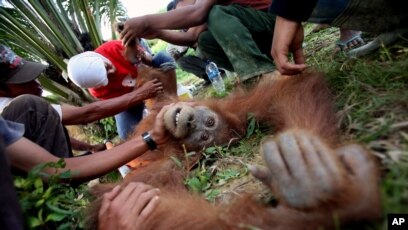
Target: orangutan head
196, 126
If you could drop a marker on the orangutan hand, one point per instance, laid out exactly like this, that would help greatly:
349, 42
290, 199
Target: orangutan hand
307, 174
301, 169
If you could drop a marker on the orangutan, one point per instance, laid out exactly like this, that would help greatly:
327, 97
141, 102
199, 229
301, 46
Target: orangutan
317, 180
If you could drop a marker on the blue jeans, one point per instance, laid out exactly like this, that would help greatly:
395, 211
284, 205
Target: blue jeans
161, 58
127, 120
326, 11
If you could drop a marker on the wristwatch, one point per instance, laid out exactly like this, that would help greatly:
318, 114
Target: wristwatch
149, 141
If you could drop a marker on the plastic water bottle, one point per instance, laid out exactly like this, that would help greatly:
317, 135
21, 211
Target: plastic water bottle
215, 77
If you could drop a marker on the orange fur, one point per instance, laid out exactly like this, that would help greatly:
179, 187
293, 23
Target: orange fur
300, 102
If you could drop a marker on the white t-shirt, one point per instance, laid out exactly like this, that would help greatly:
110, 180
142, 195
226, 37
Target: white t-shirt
5, 101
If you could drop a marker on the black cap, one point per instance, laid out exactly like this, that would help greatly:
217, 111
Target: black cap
15, 69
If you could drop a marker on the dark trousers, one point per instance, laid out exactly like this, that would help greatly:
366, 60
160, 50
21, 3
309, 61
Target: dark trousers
376, 16
10, 211
42, 124
193, 64
239, 40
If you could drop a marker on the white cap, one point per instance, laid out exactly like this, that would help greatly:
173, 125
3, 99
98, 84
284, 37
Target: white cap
87, 70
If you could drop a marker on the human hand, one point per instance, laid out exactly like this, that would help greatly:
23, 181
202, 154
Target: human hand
132, 29
150, 89
127, 208
159, 133
137, 27
288, 38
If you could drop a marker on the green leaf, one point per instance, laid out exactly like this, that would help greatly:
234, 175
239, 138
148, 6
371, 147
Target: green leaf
20, 183
211, 149
58, 209
39, 203
211, 194
33, 222
251, 125
204, 177
228, 174
38, 184
55, 217
195, 184
40, 215
47, 192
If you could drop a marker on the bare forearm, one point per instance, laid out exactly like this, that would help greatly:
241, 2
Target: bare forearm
100, 109
95, 165
177, 38
181, 18
82, 168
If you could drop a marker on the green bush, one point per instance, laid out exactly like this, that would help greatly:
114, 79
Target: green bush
53, 204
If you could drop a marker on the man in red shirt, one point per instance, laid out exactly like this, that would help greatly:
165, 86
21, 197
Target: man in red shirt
108, 73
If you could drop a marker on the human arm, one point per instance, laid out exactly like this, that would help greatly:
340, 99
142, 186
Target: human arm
180, 18
72, 115
188, 38
288, 38
80, 145
288, 33
24, 155
127, 207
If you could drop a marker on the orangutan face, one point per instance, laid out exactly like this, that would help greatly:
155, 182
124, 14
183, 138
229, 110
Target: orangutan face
196, 126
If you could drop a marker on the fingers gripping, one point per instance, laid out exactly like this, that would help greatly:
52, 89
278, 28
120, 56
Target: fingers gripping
293, 156
130, 207
357, 160
107, 199
300, 170
325, 171
331, 162
362, 180
280, 178
298, 191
